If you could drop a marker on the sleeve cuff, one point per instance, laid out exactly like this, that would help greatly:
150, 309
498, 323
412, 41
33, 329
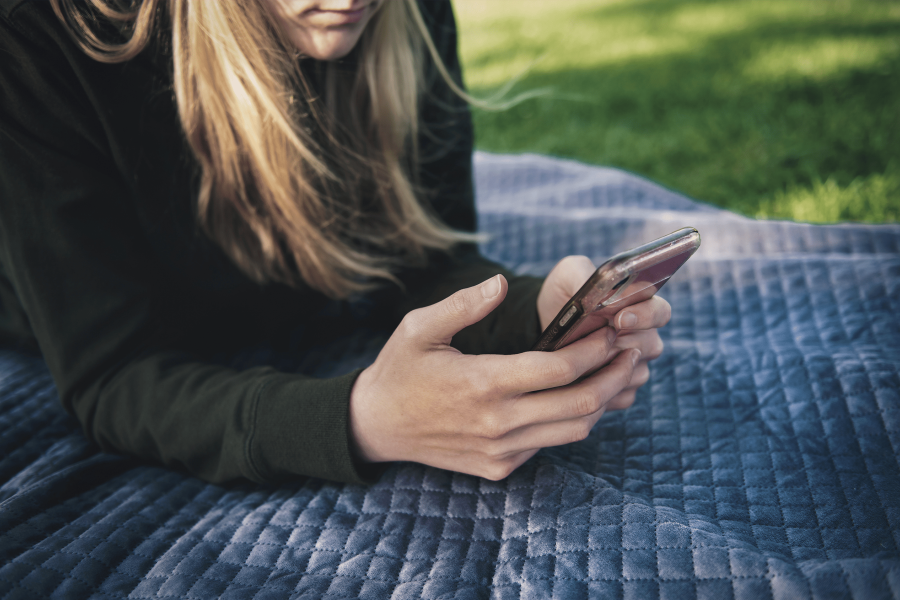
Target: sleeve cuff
302, 428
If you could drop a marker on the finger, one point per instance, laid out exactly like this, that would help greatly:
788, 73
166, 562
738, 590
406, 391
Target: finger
497, 469
649, 314
545, 435
533, 412
534, 371
564, 280
438, 323
647, 341
624, 400
639, 376
571, 273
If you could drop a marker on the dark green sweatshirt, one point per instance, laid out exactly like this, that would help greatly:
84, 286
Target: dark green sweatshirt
104, 272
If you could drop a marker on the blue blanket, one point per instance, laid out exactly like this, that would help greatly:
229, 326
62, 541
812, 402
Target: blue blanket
760, 461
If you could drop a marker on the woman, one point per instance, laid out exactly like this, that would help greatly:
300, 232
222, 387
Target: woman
189, 177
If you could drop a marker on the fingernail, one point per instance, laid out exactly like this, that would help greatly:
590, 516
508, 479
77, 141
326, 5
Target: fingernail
627, 320
611, 334
491, 287
635, 357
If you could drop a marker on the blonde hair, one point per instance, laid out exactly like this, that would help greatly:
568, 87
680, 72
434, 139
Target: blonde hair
293, 189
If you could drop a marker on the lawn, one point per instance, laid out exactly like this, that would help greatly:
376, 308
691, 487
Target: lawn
772, 108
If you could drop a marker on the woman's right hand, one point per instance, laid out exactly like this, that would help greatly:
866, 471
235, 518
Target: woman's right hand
485, 415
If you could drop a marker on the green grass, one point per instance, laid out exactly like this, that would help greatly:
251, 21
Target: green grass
772, 108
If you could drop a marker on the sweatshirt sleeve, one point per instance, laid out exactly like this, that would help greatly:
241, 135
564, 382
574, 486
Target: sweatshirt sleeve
446, 171
84, 274
94, 295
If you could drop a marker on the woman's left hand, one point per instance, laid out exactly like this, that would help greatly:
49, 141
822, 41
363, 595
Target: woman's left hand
636, 325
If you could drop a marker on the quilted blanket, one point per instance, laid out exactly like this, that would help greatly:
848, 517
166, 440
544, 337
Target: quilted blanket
760, 461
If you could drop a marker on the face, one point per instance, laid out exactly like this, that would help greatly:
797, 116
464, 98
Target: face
323, 29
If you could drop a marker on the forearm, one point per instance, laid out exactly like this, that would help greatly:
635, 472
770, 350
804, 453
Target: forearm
221, 424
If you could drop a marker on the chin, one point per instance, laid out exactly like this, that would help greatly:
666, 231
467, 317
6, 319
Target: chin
334, 54
333, 45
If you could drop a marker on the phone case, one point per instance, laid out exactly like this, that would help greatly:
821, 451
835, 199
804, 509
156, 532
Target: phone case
625, 279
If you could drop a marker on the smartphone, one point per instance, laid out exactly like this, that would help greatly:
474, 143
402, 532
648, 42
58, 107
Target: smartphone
623, 280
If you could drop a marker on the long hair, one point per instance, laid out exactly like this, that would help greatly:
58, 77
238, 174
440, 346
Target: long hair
292, 188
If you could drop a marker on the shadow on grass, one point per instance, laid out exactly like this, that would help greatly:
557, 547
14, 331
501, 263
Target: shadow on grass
705, 122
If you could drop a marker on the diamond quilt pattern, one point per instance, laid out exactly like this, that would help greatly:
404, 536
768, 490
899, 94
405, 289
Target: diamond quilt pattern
760, 461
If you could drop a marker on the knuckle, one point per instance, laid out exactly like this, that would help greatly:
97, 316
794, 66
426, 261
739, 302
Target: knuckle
559, 370
497, 471
457, 304
411, 323
605, 347
580, 430
491, 428
482, 385
587, 402
496, 450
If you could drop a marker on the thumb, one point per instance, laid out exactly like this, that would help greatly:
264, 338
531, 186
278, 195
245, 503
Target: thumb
438, 323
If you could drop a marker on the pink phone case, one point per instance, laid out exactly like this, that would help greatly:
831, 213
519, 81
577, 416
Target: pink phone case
625, 279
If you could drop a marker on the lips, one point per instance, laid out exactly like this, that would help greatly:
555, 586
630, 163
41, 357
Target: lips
336, 18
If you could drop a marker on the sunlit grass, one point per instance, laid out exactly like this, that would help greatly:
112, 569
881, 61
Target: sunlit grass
776, 108
821, 60
866, 199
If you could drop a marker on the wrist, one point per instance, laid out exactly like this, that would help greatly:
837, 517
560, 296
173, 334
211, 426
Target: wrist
362, 420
